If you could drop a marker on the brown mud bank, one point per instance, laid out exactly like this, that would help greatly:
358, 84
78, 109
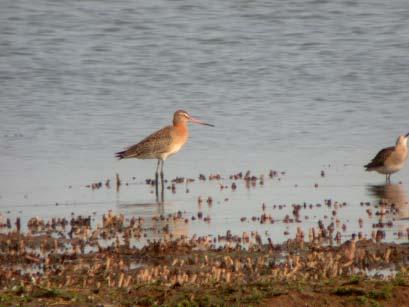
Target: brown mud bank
73, 263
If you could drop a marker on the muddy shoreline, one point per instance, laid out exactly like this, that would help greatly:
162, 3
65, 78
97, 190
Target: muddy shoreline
71, 262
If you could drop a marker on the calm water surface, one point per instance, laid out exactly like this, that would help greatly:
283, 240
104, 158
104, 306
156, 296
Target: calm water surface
296, 86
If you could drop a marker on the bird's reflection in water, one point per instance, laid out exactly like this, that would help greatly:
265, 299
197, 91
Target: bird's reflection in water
392, 194
159, 220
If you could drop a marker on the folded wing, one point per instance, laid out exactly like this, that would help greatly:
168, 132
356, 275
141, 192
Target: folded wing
380, 158
149, 148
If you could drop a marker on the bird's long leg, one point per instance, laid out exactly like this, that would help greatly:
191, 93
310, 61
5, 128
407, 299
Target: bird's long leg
162, 180
157, 181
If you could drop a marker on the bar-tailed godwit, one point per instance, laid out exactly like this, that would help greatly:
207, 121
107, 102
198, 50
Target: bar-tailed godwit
162, 143
391, 159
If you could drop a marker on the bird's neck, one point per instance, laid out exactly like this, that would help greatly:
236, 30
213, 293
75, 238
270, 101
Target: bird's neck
182, 128
402, 151
179, 121
401, 147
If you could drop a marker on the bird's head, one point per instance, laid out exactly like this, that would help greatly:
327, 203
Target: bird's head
182, 117
402, 140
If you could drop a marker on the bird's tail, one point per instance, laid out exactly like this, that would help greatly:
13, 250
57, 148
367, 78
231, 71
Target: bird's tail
120, 155
368, 167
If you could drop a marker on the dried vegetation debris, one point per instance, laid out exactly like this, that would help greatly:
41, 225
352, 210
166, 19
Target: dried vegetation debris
62, 254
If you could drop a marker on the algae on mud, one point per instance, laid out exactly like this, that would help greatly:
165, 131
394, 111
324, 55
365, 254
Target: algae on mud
76, 263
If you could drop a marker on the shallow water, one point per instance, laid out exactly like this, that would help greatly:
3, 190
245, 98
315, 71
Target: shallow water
297, 86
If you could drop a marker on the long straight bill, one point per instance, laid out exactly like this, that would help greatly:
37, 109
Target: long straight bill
197, 121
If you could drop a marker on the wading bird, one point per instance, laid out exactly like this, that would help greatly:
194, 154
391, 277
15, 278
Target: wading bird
162, 143
391, 159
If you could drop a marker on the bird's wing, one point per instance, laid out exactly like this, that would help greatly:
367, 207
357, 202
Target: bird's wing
156, 143
380, 158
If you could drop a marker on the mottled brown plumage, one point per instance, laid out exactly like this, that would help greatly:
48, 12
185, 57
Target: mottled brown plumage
380, 158
391, 159
151, 147
162, 143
